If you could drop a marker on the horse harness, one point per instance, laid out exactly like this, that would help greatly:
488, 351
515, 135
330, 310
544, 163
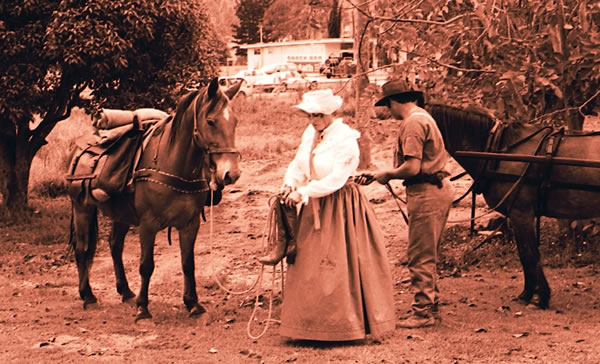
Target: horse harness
486, 172
172, 181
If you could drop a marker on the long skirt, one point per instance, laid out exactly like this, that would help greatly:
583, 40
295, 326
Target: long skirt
340, 285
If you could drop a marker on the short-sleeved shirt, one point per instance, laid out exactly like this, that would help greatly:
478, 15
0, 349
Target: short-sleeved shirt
420, 137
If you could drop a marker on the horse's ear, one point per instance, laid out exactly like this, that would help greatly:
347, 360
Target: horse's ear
233, 90
213, 87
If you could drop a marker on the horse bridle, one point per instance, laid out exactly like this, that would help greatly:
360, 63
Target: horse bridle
175, 182
197, 138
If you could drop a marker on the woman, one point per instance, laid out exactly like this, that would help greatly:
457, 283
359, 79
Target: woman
339, 286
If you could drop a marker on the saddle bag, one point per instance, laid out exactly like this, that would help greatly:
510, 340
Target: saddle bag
105, 163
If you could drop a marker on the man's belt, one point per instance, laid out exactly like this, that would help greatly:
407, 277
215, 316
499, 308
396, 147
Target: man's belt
433, 178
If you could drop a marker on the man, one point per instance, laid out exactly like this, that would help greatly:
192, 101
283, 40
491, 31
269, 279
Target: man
419, 160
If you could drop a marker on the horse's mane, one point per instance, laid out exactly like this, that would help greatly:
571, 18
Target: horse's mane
182, 105
455, 122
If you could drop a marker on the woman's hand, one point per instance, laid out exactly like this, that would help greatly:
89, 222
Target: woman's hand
284, 191
293, 199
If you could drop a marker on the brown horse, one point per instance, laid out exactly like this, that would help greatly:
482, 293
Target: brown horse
170, 189
522, 190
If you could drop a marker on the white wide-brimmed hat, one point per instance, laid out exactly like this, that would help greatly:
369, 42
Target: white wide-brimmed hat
320, 102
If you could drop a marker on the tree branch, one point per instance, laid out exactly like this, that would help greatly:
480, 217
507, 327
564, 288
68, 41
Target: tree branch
464, 70
578, 108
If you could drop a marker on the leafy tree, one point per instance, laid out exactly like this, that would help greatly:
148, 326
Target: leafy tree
251, 14
298, 20
130, 53
532, 60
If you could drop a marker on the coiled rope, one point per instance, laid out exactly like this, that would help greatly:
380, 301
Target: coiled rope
270, 238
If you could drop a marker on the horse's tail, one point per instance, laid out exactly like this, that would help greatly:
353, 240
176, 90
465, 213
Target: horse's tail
71, 243
92, 239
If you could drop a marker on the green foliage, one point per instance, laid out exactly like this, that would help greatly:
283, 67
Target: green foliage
134, 52
129, 53
306, 19
250, 14
520, 58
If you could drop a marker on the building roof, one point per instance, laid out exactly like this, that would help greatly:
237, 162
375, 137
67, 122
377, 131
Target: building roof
297, 42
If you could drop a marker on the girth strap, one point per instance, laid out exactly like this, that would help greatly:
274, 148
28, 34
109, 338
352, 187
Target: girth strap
171, 181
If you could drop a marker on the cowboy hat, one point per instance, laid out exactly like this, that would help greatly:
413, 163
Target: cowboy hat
320, 102
395, 87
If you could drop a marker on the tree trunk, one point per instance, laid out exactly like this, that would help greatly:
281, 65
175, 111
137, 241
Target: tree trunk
6, 145
15, 163
363, 100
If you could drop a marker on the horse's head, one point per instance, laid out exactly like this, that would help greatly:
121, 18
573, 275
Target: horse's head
214, 131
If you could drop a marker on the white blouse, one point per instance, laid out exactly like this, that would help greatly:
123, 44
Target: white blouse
336, 158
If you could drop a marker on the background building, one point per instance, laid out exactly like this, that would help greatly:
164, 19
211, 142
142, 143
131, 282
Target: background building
308, 55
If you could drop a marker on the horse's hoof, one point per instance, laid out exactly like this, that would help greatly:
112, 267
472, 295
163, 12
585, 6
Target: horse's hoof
197, 310
89, 301
543, 304
142, 314
127, 296
525, 297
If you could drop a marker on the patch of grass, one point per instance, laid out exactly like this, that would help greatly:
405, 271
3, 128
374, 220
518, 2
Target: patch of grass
268, 127
47, 222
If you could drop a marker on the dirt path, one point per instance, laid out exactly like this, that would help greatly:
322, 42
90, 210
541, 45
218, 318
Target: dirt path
42, 320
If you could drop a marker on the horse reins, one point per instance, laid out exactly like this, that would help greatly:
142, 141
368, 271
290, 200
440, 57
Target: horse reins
396, 199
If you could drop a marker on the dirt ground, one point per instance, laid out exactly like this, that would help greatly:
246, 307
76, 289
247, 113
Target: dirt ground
42, 318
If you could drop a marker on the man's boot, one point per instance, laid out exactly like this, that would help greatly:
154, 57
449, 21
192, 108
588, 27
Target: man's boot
285, 243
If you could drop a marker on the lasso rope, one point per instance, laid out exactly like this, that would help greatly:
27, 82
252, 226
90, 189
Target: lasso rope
219, 283
271, 228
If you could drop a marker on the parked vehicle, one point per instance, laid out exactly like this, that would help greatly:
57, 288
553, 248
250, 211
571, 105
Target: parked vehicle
276, 78
278, 67
296, 80
256, 77
338, 67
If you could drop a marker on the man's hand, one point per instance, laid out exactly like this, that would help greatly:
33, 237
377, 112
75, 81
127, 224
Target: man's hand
382, 177
293, 198
364, 179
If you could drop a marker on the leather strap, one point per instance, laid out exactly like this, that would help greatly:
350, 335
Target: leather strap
314, 202
175, 183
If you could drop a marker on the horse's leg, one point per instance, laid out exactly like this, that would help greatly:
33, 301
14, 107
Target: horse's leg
116, 241
147, 237
535, 279
187, 238
85, 225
